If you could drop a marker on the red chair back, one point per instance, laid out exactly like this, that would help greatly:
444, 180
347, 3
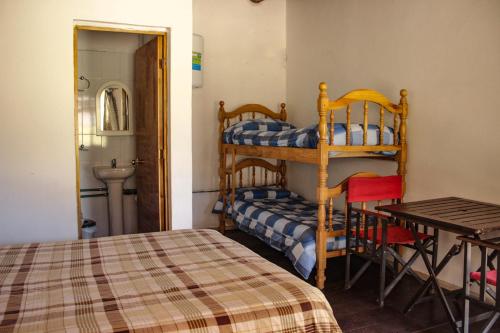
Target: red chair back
364, 189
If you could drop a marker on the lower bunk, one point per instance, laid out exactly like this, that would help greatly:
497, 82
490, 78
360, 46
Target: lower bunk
281, 218
285, 221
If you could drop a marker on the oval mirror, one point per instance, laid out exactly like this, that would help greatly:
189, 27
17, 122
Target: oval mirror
113, 109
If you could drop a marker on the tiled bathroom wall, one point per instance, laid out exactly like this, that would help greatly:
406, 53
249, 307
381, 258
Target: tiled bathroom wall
104, 57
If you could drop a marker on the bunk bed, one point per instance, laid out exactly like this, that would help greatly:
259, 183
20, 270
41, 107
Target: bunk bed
255, 132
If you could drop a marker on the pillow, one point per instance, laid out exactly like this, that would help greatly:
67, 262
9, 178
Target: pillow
261, 125
269, 192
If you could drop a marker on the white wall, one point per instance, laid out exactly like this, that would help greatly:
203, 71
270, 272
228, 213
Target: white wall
244, 61
37, 173
446, 53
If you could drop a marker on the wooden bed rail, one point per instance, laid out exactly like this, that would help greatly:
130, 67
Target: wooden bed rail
365, 96
248, 111
259, 172
270, 174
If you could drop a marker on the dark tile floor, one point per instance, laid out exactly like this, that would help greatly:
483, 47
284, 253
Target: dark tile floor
356, 309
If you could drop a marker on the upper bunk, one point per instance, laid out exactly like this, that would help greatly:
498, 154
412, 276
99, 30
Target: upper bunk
254, 130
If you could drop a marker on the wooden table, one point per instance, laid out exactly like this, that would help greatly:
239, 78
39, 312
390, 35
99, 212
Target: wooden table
456, 215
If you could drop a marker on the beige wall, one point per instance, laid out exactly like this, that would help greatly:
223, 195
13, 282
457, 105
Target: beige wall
244, 61
37, 172
446, 53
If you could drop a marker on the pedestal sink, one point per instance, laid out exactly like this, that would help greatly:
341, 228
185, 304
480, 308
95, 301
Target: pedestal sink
114, 179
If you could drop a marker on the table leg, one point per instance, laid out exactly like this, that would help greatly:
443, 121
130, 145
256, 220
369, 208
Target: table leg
466, 284
482, 269
381, 290
433, 278
435, 248
492, 257
454, 250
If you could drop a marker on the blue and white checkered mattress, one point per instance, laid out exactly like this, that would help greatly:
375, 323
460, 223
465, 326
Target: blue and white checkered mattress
284, 220
276, 133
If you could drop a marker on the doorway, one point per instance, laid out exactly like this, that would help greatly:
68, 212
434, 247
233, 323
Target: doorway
121, 130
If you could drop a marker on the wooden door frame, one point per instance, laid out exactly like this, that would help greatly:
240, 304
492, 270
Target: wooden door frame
164, 175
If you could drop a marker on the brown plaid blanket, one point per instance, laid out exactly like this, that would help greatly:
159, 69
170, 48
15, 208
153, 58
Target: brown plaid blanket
178, 281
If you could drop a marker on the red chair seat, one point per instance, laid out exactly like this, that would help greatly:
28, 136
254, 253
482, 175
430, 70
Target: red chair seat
491, 277
396, 235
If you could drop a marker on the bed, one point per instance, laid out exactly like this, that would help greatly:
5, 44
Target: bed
277, 133
254, 132
285, 221
177, 281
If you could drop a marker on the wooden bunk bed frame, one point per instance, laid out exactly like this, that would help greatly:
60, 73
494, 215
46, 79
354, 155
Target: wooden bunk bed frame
319, 156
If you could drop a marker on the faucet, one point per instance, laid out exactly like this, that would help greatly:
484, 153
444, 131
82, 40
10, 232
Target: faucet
113, 163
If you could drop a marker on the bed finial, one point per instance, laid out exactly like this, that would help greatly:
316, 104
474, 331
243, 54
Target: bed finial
403, 93
323, 87
323, 105
283, 112
221, 111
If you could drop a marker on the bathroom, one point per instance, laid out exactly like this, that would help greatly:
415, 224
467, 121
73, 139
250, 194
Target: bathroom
115, 183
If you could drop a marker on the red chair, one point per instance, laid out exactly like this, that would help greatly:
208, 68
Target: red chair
375, 235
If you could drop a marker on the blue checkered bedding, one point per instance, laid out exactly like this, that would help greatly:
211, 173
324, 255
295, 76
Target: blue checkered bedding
276, 133
284, 220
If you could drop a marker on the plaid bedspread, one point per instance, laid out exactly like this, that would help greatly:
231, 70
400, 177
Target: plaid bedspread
285, 221
179, 281
269, 132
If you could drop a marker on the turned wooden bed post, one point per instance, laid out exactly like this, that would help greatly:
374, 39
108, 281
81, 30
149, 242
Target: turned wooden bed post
222, 169
403, 155
282, 163
322, 190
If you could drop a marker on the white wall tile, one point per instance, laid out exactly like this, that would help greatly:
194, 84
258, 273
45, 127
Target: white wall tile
94, 64
93, 152
127, 67
111, 148
111, 66
87, 177
88, 123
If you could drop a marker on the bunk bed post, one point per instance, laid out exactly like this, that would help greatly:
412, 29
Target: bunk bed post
403, 104
222, 168
322, 190
282, 163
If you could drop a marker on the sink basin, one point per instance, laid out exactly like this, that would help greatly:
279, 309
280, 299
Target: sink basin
114, 179
108, 173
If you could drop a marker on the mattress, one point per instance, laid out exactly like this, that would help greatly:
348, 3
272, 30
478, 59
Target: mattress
177, 281
276, 133
285, 221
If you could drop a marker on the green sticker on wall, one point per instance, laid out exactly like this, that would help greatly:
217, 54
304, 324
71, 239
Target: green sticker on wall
196, 61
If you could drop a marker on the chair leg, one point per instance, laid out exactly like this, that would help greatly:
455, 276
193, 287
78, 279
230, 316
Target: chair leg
491, 321
395, 263
405, 269
347, 281
403, 263
358, 274
381, 292
383, 252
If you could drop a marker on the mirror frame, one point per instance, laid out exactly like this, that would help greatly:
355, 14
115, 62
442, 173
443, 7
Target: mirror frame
98, 130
